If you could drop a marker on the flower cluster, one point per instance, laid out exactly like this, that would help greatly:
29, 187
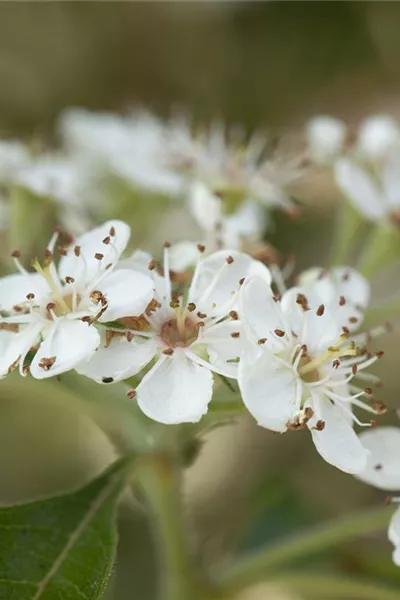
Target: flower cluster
208, 310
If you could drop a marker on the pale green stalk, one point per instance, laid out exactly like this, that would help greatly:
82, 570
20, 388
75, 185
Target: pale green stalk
258, 565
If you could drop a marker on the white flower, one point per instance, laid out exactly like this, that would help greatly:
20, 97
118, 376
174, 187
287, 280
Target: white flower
368, 174
378, 136
131, 147
57, 311
325, 137
299, 371
189, 338
383, 472
376, 196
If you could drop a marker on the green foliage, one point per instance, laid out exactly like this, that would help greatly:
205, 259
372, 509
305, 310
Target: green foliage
61, 548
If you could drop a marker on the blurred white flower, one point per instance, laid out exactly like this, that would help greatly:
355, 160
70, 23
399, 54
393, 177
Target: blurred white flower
131, 147
325, 138
55, 310
383, 471
374, 194
299, 369
189, 338
378, 136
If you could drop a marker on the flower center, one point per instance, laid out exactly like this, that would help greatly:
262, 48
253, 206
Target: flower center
179, 332
309, 375
62, 305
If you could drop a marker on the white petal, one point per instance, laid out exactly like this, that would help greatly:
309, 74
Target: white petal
18, 346
360, 189
259, 312
13, 156
128, 293
337, 443
85, 267
205, 206
383, 467
394, 535
14, 289
325, 136
391, 180
120, 360
247, 223
377, 136
269, 390
222, 347
183, 255
69, 342
176, 390
217, 279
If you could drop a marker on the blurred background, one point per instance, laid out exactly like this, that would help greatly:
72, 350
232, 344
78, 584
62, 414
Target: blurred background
263, 64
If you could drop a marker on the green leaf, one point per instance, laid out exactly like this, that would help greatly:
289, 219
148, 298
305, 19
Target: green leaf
61, 548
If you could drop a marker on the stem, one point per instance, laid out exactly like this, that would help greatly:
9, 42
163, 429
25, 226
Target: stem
160, 481
348, 229
256, 565
381, 250
330, 586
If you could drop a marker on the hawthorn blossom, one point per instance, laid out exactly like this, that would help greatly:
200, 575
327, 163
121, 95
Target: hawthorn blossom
57, 312
184, 339
368, 172
299, 370
383, 471
325, 138
130, 146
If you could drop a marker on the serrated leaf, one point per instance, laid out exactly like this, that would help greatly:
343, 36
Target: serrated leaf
61, 548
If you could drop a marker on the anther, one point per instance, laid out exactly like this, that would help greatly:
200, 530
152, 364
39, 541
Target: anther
336, 363
99, 256
107, 240
112, 231
50, 306
201, 248
368, 390
319, 425
234, 315
378, 467
346, 276
201, 315
279, 332
346, 330
107, 379
77, 250
320, 310
261, 341
229, 259
241, 281
342, 301
129, 336
353, 320
16, 254
191, 306
30, 296
131, 394
86, 319
235, 334
354, 369
379, 406
47, 363
69, 279
380, 354
152, 265
168, 351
